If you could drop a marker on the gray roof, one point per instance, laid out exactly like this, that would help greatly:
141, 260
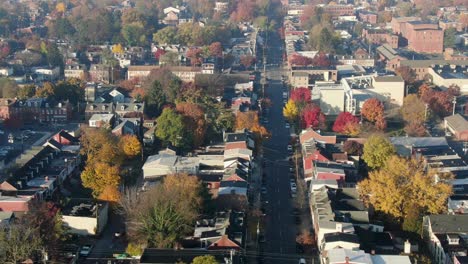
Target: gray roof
388, 79
102, 117
457, 122
429, 63
449, 223
387, 51
419, 141
338, 237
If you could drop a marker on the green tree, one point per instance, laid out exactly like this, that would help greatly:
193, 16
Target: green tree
61, 28
155, 99
169, 58
19, 242
134, 34
69, 90
171, 128
207, 259
450, 37
377, 150
167, 35
166, 212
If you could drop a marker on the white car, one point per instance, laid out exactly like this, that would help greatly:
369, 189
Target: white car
293, 187
290, 148
302, 261
287, 125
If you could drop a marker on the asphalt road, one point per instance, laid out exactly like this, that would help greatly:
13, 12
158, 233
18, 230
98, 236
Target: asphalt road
280, 229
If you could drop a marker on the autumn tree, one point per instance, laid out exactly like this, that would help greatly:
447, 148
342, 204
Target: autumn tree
100, 146
195, 55
46, 91
216, 49
171, 129
247, 61
99, 176
243, 12
408, 74
26, 91
167, 35
377, 150
194, 117
249, 120
290, 111
312, 117
321, 60
130, 145
402, 185
352, 147
440, 102
413, 109
299, 60
343, 120
301, 94
373, 111
206, 259
117, 49
8, 88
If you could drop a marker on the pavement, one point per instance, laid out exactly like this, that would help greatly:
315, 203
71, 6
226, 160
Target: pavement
280, 229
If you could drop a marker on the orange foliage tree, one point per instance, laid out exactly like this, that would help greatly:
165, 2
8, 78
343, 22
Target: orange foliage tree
194, 116
130, 145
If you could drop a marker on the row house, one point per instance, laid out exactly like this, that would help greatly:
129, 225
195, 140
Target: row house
102, 73
379, 37
135, 109
35, 110
77, 71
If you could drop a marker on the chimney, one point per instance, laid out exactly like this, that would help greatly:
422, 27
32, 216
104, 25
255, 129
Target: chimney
407, 247
346, 260
46, 178
372, 252
339, 227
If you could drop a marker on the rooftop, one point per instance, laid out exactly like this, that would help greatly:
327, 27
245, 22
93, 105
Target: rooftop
449, 223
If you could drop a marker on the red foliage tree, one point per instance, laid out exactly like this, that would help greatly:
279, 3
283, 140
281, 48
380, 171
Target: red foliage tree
343, 119
216, 49
425, 93
309, 11
321, 60
439, 101
194, 120
301, 95
244, 11
159, 53
247, 61
298, 60
313, 117
195, 56
408, 74
454, 90
372, 110
4, 50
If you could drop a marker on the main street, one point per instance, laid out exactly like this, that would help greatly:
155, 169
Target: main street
280, 229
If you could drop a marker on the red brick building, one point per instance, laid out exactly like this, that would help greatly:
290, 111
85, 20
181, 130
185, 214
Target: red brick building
339, 10
379, 37
424, 37
368, 17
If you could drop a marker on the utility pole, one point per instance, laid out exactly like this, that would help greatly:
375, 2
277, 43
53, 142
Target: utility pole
454, 101
425, 111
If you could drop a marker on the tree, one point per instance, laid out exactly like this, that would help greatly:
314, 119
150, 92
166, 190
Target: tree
169, 58
450, 36
454, 90
98, 176
18, 243
159, 53
134, 34
414, 129
100, 146
167, 35
26, 91
216, 49
109, 194
54, 56
299, 60
408, 74
249, 120
401, 186
167, 211
413, 109
130, 146
46, 91
169, 84
352, 147
247, 61
117, 49
69, 90
8, 88
301, 94
155, 99
243, 12
60, 7
321, 60
372, 109
377, 150
313, 117
206, 259
195, 55
290, 111
171, 129
342, 121
194, 116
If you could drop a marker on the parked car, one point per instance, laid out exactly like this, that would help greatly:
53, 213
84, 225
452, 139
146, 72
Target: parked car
85, 250
302, 261
264, 190
290, 148
261, 238
287, 125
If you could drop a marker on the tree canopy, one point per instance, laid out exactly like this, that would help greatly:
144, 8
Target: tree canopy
171, 128
377, 150
401, 186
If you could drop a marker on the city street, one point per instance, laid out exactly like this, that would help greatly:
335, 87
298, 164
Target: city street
280, 228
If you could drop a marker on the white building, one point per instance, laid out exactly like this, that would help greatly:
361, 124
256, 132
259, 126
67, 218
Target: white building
163, 164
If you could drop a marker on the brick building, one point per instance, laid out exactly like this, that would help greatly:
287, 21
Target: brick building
339, 10
368, 17
35, 109
379, 37
424, 37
